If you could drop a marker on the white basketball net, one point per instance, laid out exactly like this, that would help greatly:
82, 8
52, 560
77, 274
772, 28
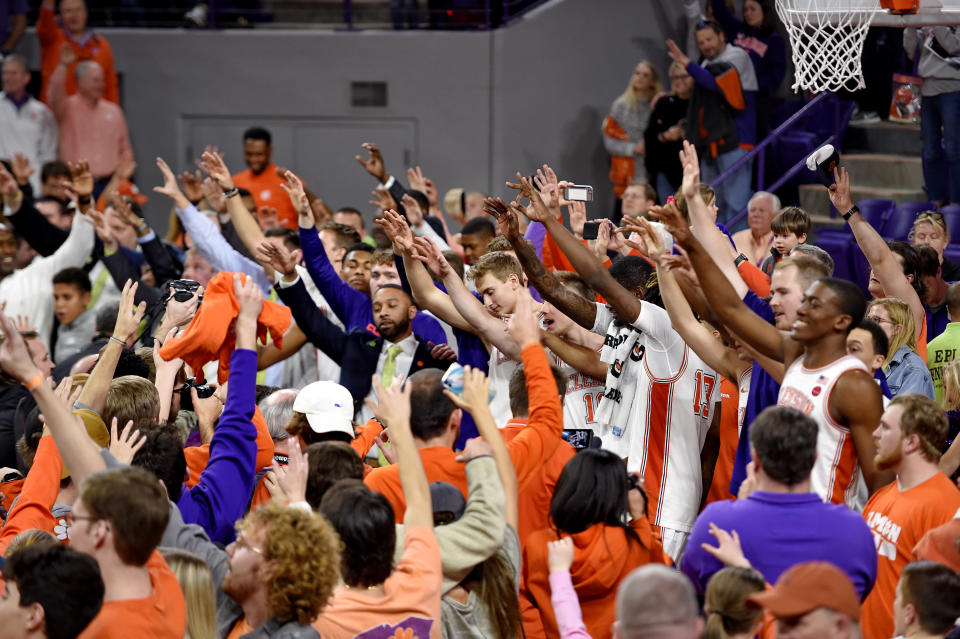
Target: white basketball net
826, 42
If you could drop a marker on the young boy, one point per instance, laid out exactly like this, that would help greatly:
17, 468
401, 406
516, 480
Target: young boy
71, 294
790, 227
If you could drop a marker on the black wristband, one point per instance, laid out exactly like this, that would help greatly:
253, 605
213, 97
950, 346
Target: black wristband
853, 209
231, 192
740, 259
84, 199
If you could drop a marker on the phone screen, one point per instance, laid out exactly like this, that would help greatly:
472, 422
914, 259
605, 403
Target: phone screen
579, 438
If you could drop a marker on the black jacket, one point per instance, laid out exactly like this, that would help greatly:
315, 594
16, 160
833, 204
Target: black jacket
357, 351
710, 124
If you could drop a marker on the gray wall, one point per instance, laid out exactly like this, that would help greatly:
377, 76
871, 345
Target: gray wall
484, 104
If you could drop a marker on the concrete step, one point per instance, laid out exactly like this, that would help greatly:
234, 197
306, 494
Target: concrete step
884, 170
884, 137
815, 199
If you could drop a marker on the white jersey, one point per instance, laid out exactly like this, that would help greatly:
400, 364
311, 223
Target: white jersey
668, 421
623, 352
808, 391
581, 400
500, 369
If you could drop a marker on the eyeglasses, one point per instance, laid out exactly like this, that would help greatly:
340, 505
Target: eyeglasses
929, 215
876, 319
75, 518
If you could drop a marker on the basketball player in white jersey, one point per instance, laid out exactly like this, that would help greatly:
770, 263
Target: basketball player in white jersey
657, 399
500, 282
821, 380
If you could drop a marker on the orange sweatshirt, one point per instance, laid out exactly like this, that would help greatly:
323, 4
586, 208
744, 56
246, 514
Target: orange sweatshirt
210, 337
40, 490
603, 556
529, 449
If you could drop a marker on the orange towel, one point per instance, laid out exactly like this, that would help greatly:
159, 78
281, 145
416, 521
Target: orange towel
209, 336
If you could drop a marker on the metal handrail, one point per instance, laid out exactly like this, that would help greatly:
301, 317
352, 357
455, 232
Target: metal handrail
759, 151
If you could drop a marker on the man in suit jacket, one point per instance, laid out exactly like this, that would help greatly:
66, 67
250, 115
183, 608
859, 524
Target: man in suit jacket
393, 353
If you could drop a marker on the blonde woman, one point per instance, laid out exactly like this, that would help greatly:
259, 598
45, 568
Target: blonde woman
905, 370
196, 583
728, 616
930, 229
623, 128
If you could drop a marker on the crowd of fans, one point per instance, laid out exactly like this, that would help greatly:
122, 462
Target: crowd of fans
271, 420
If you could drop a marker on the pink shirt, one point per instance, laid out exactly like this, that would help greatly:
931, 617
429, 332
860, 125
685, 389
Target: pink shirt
96, 133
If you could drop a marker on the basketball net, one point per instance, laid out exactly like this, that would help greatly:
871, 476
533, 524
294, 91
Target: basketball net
826, 42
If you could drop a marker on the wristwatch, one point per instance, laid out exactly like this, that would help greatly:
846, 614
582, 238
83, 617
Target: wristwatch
740, 259
853, 209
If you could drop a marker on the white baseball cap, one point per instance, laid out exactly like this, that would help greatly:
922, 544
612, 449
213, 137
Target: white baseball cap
328, 407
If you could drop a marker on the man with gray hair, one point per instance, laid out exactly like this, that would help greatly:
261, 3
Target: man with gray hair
656, 601
815, 251
27, 126
91, 128
755, 240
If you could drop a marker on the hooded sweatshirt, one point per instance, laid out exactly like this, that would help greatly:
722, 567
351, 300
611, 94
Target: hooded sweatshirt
603, 556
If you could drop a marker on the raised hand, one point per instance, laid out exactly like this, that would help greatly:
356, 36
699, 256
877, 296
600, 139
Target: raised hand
416, 180
125, 447
297, 194
393, 405
476, 390
383, 199
560, 555
21, 168
578, 216
507, 222
524, 326
125, 169
289, 481
602, 243
282, 260
671, 218
66, 393
122, 206
652, 245
676, 54
397, 230
414, 214
8, 184
192, 185
538, 211
23, 324
213, 165
81, 180
15, 359
840, 191
431, 255
691, 171
170, 188
728, 549
130, 313
374, 163
214, 195
249, 297
105, 233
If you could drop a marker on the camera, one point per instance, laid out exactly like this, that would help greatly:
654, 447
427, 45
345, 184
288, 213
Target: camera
183, 290
204, 391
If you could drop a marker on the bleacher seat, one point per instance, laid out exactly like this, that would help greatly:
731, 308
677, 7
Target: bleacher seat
900, 221
952, 253
951, 215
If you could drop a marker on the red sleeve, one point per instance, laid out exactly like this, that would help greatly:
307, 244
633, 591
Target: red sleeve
755, 279
264, 441
534, 445
40, 491
46, 27
366, 435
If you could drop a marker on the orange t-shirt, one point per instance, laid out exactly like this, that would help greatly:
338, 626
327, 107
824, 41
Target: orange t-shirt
602, 557
40, 490
266, 189
940, 545
529, 449
94, 47
729, 437
162, 615
899, 519
409, 607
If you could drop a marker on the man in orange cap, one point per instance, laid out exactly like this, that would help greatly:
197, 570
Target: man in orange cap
814, 600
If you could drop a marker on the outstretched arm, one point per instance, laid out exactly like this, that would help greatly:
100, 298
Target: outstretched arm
884, 263
720, 294
717, 356
584, 261
573, 305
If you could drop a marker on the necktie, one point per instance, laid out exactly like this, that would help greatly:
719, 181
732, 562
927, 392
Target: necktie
390, 365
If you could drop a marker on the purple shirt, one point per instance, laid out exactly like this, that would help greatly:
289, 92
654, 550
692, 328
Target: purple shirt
10, 8
779, 530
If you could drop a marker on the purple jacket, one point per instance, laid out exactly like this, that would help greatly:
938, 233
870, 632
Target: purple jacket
780, 530
223, 492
